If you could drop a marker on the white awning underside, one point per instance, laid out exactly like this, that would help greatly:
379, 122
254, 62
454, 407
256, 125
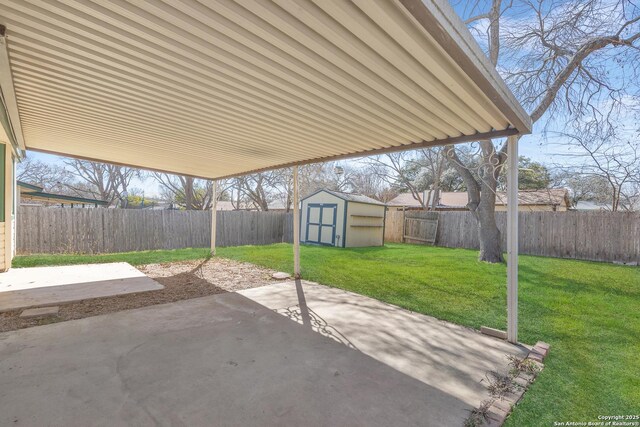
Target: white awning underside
225, 87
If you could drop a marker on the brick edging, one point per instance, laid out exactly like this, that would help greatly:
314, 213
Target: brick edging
501, 407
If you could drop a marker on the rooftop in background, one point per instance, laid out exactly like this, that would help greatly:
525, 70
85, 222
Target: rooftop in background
627, 205
34, 192
242, 85
546, 199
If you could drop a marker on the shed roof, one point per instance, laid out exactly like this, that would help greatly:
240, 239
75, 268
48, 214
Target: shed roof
351, 197
227, 87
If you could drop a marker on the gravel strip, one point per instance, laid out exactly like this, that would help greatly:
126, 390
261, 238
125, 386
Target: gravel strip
181, 280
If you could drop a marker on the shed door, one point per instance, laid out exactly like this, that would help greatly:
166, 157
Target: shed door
321, 223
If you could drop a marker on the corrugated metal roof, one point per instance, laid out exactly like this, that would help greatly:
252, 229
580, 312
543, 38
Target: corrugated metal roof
228, 87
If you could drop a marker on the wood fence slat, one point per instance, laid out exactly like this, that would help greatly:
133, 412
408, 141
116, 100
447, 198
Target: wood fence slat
595, 236
57, 230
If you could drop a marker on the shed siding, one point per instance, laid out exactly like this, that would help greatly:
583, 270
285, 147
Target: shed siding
365, 225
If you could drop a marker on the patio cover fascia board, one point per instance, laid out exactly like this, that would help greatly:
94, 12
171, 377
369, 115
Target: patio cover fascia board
386, 150
414, 146
443, 35
11, 127
439, 19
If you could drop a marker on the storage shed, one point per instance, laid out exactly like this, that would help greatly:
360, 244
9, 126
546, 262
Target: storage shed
332, 218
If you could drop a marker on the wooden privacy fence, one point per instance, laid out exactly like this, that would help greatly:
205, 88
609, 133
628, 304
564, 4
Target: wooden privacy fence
596, 236
57, 230
420, 227
411, 226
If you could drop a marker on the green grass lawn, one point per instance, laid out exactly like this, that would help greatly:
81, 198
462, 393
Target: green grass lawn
588, 312
133, 258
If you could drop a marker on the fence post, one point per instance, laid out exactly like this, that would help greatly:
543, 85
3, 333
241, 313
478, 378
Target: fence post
404, 223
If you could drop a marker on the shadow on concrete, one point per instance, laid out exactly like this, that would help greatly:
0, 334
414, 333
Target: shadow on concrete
301, 313
220, 360
446, 356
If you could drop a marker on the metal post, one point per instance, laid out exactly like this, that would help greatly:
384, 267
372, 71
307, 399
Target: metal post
214, 210
296, 225
512, 239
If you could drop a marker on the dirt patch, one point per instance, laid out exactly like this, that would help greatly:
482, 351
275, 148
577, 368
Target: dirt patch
181, 280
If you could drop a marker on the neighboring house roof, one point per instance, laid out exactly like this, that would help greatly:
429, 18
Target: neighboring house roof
224, 205
28, 186
551, 196
277, 205
588, 205
404, 199
625, 205
351, 197
35, 192
459, 199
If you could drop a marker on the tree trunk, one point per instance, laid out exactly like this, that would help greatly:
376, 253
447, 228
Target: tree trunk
188, 193
482, 198
488, 232
615, 201
435, 200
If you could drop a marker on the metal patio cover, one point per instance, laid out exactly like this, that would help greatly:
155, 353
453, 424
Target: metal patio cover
221, 88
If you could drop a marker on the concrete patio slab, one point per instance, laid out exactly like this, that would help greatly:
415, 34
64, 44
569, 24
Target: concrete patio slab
447, 357
227, 360
223, 360
42, 286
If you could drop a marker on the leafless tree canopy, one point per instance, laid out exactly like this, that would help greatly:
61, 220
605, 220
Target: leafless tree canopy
190, 193
52, 178
99, 180
603, 167
556, 57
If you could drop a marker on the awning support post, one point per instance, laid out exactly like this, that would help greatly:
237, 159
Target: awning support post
214, 210
296, 225
512, 239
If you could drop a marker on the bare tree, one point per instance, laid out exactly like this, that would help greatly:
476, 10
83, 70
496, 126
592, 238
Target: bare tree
419, 172
53, 178
609, 160
189, 192
257, 188
336, 176
262, 189
100, 180
364, 180
401, 171
436, 161
556, 58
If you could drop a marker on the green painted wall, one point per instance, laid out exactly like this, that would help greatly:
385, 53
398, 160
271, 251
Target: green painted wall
3, 153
